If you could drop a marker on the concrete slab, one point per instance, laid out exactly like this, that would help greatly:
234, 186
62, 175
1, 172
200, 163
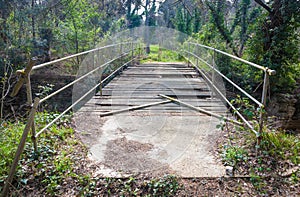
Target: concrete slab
134, 142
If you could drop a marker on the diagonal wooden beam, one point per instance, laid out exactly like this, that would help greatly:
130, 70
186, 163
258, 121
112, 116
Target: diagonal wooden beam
23, 77
198, 109
133, 108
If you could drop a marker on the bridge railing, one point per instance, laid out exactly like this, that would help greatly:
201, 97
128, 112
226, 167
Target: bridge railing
203, 58
115, 52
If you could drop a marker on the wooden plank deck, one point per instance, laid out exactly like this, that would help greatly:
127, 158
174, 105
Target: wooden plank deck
140, 84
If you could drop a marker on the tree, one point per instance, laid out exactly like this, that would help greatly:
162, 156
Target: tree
276, 44
243, 13
132, 16
184, 15
149, 7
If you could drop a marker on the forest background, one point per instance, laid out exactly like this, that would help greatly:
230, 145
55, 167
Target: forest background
264, 32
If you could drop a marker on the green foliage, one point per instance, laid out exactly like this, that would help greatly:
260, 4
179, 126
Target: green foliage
167, 186
282, 145
247, 109
80, 27
164, 186
233, 155
50, 163
44, 90
162, 55
270, 39
282, 55
183, 21
10, 134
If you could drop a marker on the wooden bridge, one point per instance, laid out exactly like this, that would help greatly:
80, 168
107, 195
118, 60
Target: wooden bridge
147, 118
147, 132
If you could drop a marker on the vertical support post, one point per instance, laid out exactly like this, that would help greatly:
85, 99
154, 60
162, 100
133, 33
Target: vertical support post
25, 78
93, 59
29, 101
101, 70
213, 72
132, 50
20, 148
28, 89
121, 49
264, 102
139, 53
121, 53
100, 88
140, 50
197, 53
188, 62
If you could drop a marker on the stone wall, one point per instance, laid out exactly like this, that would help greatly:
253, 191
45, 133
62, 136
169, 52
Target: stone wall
287, 108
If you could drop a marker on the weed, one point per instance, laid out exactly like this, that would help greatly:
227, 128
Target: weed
244, 106
232, 155
282, 145
258, 182
9, 138
167, 186
44, 90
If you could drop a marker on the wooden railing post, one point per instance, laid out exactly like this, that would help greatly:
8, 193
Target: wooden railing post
20, 147
25, 78
264, 102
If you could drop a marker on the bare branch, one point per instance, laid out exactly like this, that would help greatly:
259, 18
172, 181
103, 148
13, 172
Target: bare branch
262, 4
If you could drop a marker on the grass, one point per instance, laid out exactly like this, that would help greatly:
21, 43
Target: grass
9, 138
158, 54
278, 154
51, 164
282, 145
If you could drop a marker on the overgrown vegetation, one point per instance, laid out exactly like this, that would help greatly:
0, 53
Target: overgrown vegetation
278, 154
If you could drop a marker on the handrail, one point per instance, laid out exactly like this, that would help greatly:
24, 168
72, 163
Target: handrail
75, 103
80, 78
227, 79
30, 123
123, 52
76, 55
226, 100
266, 69
268, 72
84, 76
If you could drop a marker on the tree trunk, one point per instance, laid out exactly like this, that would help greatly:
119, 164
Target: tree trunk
33, 21
76, 39
148, 29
